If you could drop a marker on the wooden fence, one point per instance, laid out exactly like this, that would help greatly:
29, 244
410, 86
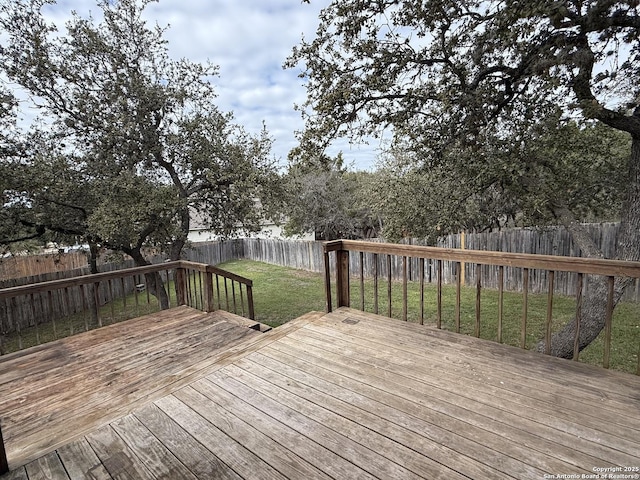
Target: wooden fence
308, 255
33, 265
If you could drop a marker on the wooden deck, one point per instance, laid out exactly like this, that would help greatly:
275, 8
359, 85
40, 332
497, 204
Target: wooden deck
343, 395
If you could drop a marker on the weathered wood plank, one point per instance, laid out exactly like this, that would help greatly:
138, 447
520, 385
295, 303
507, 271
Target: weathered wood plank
457, 394
513, 360
370, 450
116, 456
446, 447
80, 461
282, 459
46, 467
242, 461
322, 458
579, 418
417, 408
187, 449
149, 450
109, 389
17, 474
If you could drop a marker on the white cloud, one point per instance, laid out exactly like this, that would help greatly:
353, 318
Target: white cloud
249, 40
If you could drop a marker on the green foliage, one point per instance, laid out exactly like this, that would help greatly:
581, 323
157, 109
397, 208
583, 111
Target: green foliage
505, 184
473, 93
131, 141
325, 198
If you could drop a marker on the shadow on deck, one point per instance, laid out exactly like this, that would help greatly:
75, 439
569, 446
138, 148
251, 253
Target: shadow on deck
184, 394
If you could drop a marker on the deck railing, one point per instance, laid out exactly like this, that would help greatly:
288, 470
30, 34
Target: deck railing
41, 312
393, 263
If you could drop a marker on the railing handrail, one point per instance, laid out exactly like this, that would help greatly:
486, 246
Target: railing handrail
125, 272
596, 266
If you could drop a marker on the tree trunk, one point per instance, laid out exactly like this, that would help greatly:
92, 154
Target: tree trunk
594, 304
154, 282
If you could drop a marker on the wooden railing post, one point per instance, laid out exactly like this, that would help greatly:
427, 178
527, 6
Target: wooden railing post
342, 278
327, 282
208, 292
252, 312
181, 285
4, 464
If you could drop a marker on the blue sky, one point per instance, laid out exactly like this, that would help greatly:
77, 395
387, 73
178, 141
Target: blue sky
249, 40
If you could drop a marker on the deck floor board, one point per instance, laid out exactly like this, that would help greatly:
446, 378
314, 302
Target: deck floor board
342, 395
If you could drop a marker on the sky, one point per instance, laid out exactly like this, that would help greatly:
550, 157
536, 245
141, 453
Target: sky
249, 40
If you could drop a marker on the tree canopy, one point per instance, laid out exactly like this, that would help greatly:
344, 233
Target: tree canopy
465, 85
130, 142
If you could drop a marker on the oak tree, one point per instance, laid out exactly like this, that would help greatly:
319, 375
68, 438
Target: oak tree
450, 77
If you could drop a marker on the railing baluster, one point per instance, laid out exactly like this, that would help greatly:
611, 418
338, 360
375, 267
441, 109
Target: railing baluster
53, 314
608, 322
111, 301
226, 292
362, 281
458, 295
252, 313
84, 295
404, 289
218, 291
548, 323
439, 296
124, 298
16, 321
478, 289
241, 299
375, 283
96, 294
500, 301
421, 275
576, 338
525, 307
233, 296
342, 279
34, 315
389, 286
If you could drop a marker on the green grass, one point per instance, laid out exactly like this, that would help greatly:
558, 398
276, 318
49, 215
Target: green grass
282, 294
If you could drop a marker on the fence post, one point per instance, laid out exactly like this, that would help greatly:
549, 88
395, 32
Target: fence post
4, 464
342, 278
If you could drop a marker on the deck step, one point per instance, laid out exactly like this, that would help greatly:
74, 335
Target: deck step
243, 322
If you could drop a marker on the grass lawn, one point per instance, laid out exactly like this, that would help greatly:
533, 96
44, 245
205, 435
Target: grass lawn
282, 294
